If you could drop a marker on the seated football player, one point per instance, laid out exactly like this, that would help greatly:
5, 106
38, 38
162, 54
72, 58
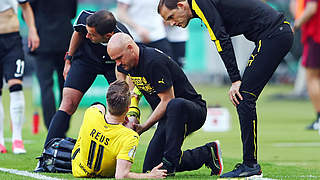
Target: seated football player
105, 147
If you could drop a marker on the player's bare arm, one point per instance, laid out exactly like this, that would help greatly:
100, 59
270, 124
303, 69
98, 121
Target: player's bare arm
123, 171
120, 76
124, 17
309, 11
158, 113
33, 38
76, 40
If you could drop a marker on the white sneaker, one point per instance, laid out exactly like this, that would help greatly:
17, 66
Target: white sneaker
18, 147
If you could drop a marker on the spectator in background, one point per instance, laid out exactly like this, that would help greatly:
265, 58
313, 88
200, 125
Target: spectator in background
177, 37
310, 26
55, 30
144, 23
300, 88
12, 66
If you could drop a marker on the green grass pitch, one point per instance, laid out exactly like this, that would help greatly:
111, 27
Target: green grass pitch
285, 149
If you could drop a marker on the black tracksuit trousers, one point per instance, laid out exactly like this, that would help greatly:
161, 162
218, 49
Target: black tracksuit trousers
181, 118
264, 60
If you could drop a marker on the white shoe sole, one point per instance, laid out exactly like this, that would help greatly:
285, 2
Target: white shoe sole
218, 149
19, 151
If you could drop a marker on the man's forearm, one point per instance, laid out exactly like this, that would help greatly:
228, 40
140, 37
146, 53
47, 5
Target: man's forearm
308, 12
156, 115
132, 175
28, 16
75, 42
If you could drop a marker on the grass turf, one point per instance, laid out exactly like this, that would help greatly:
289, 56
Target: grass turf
285, 149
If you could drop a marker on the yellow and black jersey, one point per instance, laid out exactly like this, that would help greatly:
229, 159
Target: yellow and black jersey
100, 144
226, 18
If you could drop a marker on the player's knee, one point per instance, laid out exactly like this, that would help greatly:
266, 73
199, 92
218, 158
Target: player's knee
247, 104
176, 106
15, 88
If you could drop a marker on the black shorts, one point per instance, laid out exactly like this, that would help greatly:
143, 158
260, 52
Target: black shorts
83, 72
11, 57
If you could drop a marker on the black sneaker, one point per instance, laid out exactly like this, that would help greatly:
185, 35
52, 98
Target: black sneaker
40, 166
242, 170
314, 126
215, 162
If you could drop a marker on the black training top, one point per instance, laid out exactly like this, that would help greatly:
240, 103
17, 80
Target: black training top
89, 50
226, 18
157, 72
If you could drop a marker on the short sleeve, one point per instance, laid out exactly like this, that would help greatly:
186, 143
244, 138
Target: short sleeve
80, 23
22, 1
125, 1
160, 78
128, 150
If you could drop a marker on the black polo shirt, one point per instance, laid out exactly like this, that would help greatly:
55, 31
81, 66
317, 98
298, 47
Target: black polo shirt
157, 72
91, 51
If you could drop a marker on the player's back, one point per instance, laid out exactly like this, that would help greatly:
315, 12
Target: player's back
100, 144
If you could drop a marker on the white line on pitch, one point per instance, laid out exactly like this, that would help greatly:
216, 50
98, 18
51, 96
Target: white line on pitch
25, 141
28, 174
311, 144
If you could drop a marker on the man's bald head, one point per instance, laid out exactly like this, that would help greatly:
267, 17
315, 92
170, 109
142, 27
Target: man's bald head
119, 41
122, 49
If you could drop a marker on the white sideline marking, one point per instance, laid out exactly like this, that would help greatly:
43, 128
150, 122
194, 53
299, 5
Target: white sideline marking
311, 144
24, 141
246, 178
28, 174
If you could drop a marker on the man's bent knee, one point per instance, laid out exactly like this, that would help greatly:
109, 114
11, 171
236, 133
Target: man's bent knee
176, 105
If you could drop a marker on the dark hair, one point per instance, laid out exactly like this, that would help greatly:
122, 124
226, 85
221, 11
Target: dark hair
170, 4
118, 97
103, 21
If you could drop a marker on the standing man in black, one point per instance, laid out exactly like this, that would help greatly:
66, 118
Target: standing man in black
177, 107
86, 58
55, 30
259, 23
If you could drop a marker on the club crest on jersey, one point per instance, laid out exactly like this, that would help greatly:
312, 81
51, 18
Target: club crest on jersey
142, 84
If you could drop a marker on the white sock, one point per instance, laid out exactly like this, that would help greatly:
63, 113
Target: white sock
17, 106
1, 122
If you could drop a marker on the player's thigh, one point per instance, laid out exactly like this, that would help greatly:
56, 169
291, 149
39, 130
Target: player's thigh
264, 60
13, 61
